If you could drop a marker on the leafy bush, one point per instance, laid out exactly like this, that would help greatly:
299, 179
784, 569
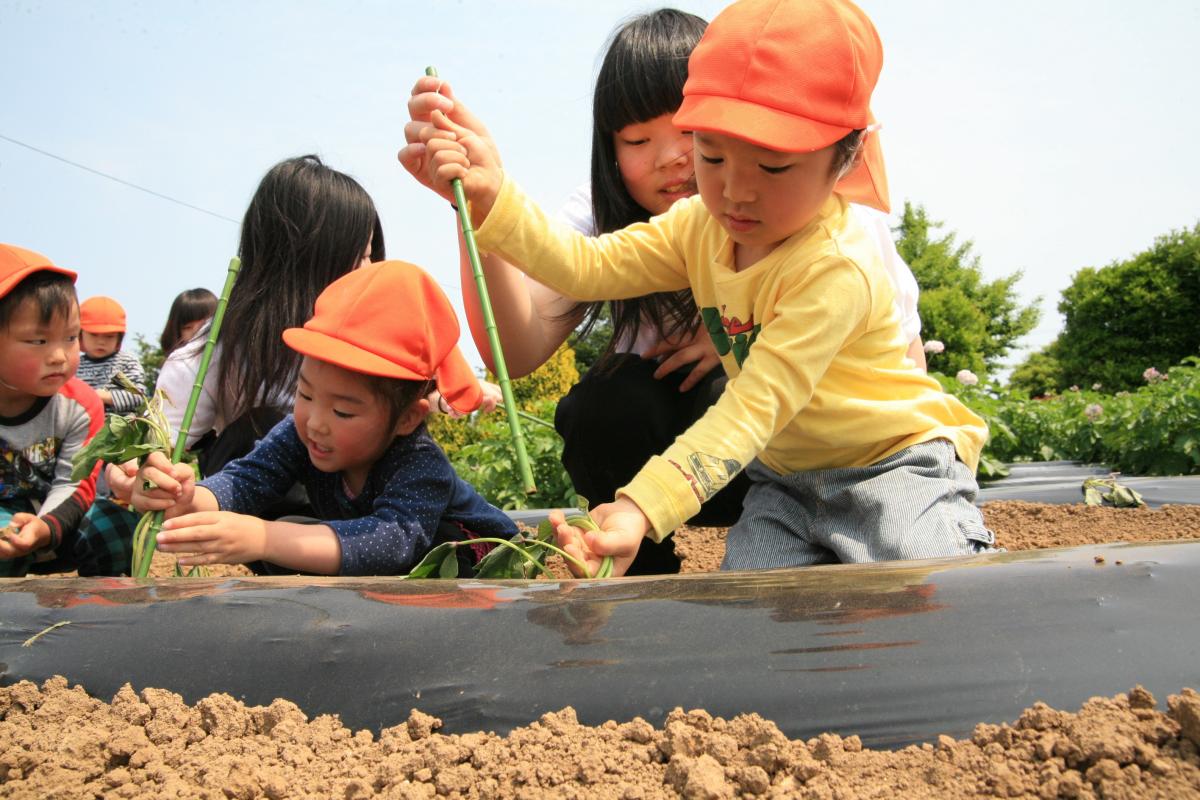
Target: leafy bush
482, 451
1152, 431
489, 462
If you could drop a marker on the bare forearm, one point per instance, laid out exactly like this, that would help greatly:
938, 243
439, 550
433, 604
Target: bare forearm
527, 315
305, 548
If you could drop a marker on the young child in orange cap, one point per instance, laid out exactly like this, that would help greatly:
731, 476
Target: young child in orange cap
380, 339
102, 320
854, 454
47, 415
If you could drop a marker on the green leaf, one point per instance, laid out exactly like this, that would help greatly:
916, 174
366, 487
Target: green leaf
431, 565
513, 562
449, 567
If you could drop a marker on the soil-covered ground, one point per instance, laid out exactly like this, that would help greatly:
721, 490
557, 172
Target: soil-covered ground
57, 742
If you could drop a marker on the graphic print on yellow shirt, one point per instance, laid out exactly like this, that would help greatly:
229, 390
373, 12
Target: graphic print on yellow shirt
730, 333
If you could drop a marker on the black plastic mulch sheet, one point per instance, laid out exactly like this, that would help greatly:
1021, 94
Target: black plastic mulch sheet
897, 653
1062, 482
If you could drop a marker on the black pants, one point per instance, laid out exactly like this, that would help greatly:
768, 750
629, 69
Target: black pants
615, 419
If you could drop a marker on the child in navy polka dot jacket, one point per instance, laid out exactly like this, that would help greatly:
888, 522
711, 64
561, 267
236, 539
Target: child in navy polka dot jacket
379, 339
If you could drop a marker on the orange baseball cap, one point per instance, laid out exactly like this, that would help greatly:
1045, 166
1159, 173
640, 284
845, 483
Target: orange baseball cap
17, 264
101, 314
793, 76
391, 319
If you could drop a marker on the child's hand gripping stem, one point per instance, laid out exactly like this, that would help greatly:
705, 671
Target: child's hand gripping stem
147, 530
615, 535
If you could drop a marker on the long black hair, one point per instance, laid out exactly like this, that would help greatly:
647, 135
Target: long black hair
641, 78
307, 225
189, 306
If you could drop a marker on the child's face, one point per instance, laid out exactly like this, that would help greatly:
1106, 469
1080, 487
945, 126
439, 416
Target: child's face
188, 329
100, 345
760, 196
37, 358
344, 425
655, 160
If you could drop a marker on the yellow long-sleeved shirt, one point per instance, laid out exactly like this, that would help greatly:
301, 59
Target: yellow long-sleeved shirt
809, 336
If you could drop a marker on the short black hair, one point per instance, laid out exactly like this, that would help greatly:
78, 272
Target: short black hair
52, 292
397, 393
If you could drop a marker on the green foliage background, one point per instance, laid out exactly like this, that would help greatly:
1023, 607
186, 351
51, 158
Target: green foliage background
1154, 430
481, 449
978, 321
1122, 318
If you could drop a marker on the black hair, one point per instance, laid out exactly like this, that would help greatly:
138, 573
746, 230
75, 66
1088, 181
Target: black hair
641, 78
307, 225
52, 292
846, 150
398, 394
190, 305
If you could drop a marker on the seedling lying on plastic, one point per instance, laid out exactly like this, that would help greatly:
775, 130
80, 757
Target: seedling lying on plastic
522, 556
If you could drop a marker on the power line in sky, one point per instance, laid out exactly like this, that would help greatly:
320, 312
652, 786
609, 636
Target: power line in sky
121, 181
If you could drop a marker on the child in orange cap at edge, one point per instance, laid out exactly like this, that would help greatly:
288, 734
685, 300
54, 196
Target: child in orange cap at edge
379, 339
48, 519
854, 454
102, 322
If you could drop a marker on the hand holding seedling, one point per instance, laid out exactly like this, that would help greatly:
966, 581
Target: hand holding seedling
23, 534
621, 528
161, 485
121, 478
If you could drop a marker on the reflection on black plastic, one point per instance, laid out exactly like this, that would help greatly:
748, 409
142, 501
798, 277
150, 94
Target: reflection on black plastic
893, 652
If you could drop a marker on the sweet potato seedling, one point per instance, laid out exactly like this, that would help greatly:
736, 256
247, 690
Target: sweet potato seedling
522, 556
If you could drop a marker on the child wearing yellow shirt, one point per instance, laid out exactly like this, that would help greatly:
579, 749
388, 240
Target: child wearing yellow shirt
853, 452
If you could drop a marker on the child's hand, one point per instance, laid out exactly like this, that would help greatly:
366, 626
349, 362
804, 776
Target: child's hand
428, 95
160, 485
23, 534
105, 396
697, 349
622, 528
492, 397
214, 537
121, 478
453, 152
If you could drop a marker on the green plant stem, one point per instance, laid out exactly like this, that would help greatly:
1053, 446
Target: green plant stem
536, 420
485, 307
145, 553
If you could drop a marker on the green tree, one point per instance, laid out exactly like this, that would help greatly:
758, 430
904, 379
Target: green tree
1040, 374
978, 321
590, 345
151, 356
1130, 315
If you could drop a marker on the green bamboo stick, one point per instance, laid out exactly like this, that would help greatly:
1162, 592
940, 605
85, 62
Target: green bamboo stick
142, 568
489, 321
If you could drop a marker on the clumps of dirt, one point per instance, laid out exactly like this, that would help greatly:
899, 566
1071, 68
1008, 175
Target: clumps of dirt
1027, 526
56, 741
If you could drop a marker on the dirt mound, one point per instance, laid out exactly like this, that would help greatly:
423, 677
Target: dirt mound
56, 741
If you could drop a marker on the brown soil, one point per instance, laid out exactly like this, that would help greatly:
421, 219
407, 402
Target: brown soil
56, 741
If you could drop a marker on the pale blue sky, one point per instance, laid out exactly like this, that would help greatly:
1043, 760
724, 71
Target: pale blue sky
1056, 134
